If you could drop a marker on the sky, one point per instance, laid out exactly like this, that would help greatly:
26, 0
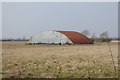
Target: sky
25, 19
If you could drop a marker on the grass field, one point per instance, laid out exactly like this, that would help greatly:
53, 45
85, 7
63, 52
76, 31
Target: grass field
58, 61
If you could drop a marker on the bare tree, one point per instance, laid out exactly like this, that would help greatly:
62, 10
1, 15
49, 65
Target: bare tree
86, 32
104, 34
23, 38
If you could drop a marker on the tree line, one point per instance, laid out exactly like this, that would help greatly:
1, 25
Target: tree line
103, 37
12, 39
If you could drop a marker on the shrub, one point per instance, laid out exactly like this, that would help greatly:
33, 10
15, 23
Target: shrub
101, 39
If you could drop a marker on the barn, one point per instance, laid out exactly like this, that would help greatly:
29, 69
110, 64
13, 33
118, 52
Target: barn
59, 37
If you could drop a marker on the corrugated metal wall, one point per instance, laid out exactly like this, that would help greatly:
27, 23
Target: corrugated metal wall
76, 38
49, 37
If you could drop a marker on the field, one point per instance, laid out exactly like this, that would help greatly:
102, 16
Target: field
58, 61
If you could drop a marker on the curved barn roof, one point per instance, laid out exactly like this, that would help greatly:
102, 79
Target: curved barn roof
75, 37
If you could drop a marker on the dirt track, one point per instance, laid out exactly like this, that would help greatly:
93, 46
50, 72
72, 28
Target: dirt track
58, 61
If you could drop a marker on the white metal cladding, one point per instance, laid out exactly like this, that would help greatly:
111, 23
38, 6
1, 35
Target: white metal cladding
50, 37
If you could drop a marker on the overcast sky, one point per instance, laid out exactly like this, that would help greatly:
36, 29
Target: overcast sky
21, 19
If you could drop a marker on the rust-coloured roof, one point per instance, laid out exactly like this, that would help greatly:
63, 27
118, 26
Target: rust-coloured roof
76, 38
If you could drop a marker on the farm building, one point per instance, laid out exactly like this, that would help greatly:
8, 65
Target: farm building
60, 37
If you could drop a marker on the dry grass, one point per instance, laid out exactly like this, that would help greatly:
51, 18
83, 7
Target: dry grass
58, 61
